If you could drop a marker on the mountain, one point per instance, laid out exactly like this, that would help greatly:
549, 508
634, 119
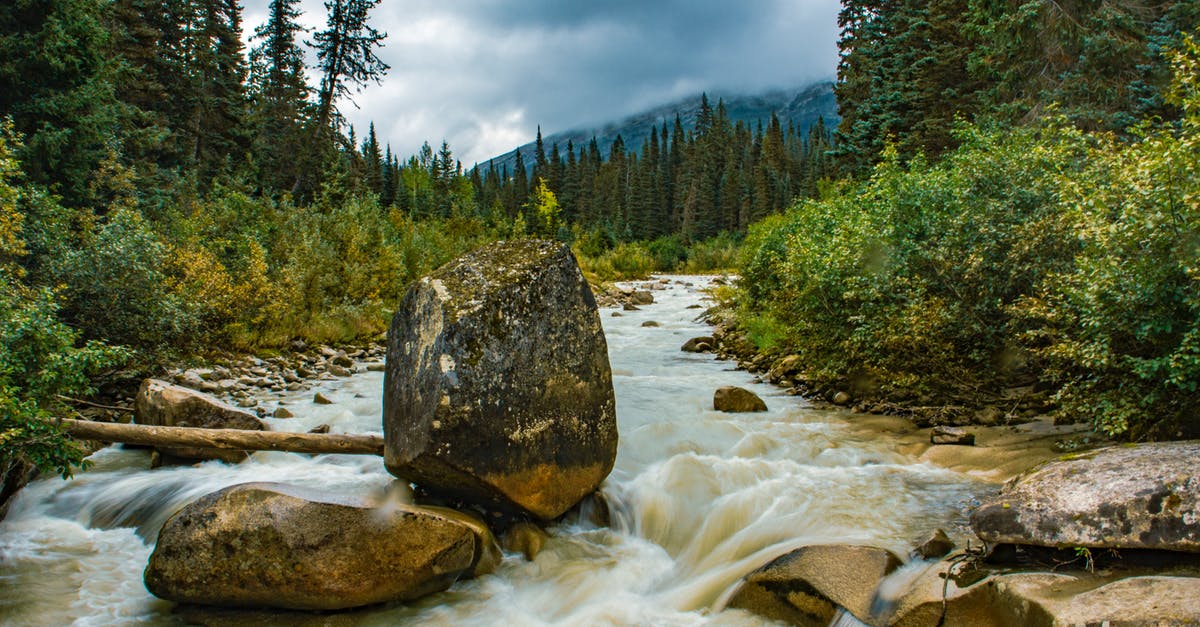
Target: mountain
802, 107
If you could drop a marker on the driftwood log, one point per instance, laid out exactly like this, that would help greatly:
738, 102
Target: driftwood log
236, 439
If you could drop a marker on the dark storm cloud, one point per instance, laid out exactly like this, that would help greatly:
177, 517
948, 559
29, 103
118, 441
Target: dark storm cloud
482, 74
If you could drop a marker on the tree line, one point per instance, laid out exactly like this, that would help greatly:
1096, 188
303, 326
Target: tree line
1016, 224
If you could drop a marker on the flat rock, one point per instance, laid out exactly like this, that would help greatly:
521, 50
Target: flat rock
1140, 496
736, 400
807, 586
161, 404
272, 545
498, 389
1041, 598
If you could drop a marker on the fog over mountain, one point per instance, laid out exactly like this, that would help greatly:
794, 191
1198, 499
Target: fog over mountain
483, 74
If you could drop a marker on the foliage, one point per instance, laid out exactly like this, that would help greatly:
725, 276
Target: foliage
1120, 330
904, 283
40, 360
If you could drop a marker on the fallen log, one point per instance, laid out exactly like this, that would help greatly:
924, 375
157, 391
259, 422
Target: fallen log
235, 439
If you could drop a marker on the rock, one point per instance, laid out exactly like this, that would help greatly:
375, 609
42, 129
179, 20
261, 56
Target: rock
651, 323
1000, 600
937, 545
327, 353
343, 360
273, 545
642, 297
989, 416
282, 412
735, 399
616, 314
630, 307
808, 585
784, 367
339, 371
840, 398
321, 399
321, 428
700, 344
376, 367
525, 538
1140, 496
498, 388
161, 404
488, 555
951, 435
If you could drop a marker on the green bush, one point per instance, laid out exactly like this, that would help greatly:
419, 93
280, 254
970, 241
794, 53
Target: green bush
1120, 331
906, 280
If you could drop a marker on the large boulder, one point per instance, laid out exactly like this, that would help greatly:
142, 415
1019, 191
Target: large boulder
737, 400
162, 404
1126, 497
498, 389
808, 585
272, 545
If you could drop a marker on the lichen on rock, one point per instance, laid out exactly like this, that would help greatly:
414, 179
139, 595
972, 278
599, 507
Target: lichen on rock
498, 388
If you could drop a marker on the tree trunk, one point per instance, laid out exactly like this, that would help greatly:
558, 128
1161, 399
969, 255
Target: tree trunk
235, 439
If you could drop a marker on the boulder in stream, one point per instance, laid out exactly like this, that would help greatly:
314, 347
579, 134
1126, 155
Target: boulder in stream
700, 344
273, 545
807, 586
162, 404
1143, 496
736, 400
498, 389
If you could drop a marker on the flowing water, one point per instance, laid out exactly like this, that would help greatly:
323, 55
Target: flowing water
699, 498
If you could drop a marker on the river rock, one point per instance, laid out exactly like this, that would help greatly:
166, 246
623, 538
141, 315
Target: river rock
272, 545
1140, 496
943, 434
736, 400
641, 297
938, 544
1041, 598
700, 344
808, 585
498, 388
785, 367
161, 404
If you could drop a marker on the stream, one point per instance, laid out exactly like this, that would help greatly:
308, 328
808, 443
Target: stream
698, 498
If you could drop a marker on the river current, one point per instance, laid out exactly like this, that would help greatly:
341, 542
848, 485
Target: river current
699, 498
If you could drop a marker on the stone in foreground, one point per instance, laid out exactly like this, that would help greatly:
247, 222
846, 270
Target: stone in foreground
1141, 496
736, 400
808, 585
498, 389
1034, 598
272, 545
162, 404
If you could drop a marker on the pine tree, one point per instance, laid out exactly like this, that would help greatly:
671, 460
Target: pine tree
346, 55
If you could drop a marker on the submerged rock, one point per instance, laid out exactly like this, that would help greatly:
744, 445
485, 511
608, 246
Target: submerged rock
272, 545
737, 400
1142, 496
808, 585
498, 388
162, 404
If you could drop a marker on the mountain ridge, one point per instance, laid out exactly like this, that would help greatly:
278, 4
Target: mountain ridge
801, 106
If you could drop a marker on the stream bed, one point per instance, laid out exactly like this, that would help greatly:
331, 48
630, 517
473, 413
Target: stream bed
698, 499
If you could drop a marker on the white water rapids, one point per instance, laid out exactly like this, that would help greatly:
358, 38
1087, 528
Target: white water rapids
699, 499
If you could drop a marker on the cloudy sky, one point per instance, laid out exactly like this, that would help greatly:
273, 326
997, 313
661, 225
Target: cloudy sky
483, 74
